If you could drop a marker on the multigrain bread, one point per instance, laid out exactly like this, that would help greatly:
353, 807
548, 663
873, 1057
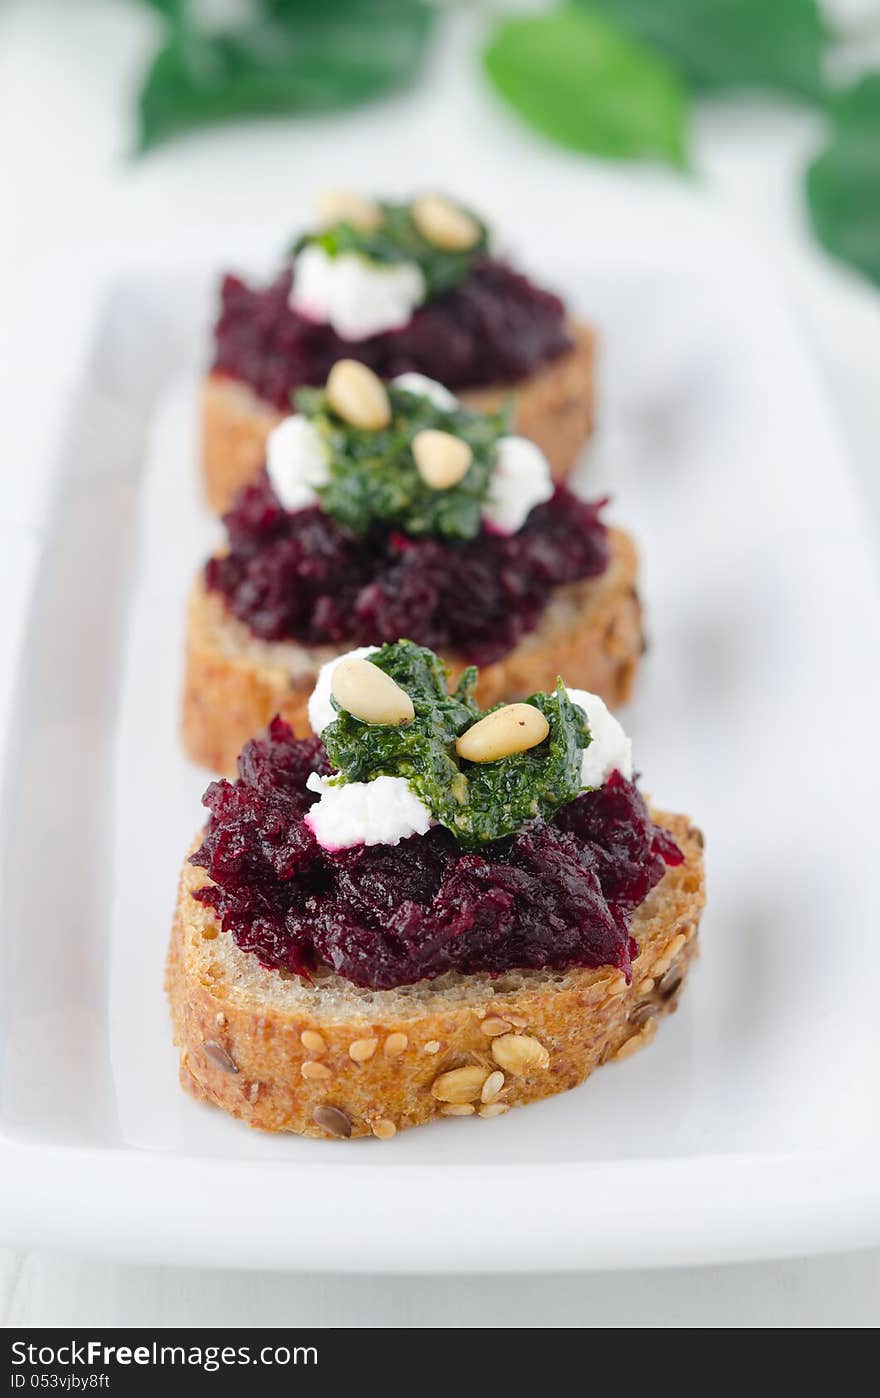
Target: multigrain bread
328, 1059
591, 632
554, 407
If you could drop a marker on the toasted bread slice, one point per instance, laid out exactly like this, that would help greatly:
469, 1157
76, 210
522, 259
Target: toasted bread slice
329, 1059
591, 632
554, 406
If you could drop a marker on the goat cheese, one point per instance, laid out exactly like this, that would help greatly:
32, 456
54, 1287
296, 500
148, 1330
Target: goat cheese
297, 462
610, 749
435, 392
383, 811
355, 295
520, 480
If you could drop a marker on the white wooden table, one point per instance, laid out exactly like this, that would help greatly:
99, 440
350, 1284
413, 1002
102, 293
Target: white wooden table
839, 1291
66, 71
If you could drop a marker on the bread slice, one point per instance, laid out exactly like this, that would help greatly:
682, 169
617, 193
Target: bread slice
329, 1059
554, 406
591, 632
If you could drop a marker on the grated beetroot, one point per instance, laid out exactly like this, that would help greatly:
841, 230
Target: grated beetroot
557, 894
304, 577
494, 328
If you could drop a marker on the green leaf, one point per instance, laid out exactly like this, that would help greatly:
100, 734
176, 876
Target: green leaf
843, 183
576, 77
171, 8
730, 43
299, 57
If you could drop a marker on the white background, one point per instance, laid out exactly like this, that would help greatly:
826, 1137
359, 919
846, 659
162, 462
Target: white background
66, 73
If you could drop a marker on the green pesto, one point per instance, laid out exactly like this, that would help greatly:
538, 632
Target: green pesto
478, 802
398, 240
374, 479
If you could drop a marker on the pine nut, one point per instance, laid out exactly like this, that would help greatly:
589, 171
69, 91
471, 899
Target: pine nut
360, 1050
459, 1085
313, 1042
444, 224
357, 395
395, 1045
494, 1109
384, 1129
342, 206
519, 1053
441, 458
369, 694
515, 728
457, 1109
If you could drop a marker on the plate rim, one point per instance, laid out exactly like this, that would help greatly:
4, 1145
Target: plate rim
799, 1204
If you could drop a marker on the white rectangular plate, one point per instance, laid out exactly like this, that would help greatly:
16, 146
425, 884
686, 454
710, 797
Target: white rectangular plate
750, 1128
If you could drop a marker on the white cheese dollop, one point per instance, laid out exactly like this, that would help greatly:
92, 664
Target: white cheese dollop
320, 709
610, 749
297, 462
383, 811
435, 392
520, 480
355, 295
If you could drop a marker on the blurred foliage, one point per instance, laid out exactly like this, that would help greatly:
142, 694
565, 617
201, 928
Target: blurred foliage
580, 80
611, 78
608, 76
730, 43
843, 183
291, 56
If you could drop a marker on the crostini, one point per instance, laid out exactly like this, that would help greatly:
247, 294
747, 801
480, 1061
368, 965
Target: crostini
394, 510
428, 911
403, 288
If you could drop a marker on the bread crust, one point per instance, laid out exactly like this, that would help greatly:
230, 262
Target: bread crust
554, 406
591, 633
241, 1029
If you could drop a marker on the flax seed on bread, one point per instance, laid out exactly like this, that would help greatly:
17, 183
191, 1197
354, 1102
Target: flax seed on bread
328, 1059
591, 633
553, 406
